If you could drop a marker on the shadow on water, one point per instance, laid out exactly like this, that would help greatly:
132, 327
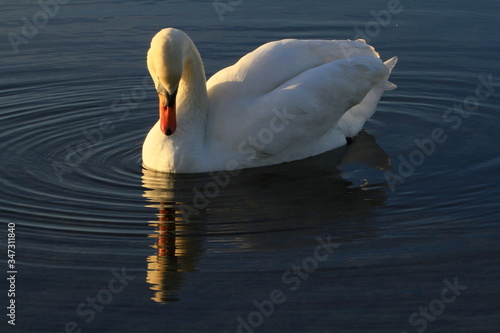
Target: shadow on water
263, 209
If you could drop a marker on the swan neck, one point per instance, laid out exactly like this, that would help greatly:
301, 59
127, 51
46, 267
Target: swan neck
192, 107
193, 81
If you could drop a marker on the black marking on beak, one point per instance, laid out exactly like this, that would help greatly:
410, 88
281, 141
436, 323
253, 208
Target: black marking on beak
170, 100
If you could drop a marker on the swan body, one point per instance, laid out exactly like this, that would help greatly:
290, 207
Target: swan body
285, 101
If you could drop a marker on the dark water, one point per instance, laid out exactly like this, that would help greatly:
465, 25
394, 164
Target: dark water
398, 232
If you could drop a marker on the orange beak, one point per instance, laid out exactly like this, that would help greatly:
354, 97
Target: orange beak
168, 122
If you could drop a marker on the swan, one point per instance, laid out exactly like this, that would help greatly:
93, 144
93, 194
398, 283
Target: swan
287, 100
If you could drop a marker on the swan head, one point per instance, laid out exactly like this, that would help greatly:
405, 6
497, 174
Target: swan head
165, 60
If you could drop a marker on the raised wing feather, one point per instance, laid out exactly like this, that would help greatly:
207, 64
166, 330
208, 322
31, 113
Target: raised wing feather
275, 63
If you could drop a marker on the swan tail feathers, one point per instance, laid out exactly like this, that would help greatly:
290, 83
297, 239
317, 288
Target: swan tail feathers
391, 63
387, 85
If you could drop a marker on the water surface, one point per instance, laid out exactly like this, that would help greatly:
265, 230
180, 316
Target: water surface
105, 246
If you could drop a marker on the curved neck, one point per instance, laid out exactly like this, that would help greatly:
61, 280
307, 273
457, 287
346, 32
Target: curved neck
186, 146
192, 96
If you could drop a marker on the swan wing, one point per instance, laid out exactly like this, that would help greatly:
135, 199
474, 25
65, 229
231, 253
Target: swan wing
275, 63
304, 110
283, 101
294, 116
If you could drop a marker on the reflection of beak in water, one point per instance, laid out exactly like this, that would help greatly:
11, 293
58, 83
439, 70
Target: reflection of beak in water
176, 253
277, 208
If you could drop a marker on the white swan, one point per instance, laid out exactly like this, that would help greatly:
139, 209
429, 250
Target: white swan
285, 101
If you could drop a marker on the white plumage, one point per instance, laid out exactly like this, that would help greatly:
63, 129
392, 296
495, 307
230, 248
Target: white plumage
285, 101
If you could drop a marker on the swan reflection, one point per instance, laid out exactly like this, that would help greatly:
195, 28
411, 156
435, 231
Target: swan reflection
297, 199
177, 251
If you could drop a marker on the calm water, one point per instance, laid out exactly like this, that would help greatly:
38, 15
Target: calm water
408, 214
